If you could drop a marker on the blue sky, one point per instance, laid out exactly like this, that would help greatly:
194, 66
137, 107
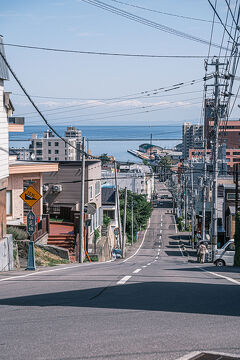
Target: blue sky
73, 24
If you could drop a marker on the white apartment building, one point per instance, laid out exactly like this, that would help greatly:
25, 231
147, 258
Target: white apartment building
137, 178
192, 137
51, 148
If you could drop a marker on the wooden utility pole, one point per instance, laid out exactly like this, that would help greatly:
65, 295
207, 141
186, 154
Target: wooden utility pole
81, 225
124, 223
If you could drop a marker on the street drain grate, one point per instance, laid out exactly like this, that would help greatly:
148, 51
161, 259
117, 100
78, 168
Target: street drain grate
207, 356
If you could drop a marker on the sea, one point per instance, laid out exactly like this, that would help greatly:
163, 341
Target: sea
113, 140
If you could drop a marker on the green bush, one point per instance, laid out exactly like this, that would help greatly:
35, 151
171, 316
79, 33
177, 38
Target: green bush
18, 234
106, 220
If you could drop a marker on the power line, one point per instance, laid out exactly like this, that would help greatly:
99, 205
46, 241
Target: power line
105, 53
105, 112
34, 105
214, 9
161, 12
144, 21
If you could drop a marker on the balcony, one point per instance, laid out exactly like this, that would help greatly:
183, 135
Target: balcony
15, 124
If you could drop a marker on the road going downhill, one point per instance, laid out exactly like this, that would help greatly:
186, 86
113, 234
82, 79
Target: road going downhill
154, 305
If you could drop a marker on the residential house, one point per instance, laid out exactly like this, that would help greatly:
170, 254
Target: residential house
21, 175
62, 193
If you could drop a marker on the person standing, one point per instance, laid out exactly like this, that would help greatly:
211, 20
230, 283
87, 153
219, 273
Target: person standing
202, 250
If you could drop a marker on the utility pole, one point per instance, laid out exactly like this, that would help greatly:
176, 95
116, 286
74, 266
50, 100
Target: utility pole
124, 223
193, 219
185, 200
217, 116
204, 192
132, 219
118, 206
81, 227
236, 191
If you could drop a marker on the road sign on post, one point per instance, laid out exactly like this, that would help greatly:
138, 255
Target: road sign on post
30, 196
31, 221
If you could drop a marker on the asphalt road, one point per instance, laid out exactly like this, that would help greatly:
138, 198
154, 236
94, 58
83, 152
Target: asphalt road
153, 306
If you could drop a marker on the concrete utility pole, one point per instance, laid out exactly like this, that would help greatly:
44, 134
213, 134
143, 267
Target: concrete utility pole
132, 219
81, 225
124, 223
204, 192
185, 201
236, 190
118, 206
193, 213
215, 154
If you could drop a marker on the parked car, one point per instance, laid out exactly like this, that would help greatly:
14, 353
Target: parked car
225, 255
117, 253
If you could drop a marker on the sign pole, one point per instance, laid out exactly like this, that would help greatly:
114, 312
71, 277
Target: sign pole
31, 196
31, 221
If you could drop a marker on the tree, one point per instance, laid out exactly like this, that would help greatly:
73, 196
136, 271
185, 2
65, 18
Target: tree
237, 240
104, 158
142, 210
165, 164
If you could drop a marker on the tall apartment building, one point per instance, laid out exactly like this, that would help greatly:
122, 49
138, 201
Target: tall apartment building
192, 137
51, 148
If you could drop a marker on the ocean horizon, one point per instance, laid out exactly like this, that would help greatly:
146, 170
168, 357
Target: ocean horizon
113, 140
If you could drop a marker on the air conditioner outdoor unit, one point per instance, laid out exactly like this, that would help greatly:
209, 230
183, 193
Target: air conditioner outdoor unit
57, 188
45, 188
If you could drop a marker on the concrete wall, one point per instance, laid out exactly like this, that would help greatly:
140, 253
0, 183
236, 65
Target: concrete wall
6, 253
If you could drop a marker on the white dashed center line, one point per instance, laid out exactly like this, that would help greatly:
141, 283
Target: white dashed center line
148, 264
136, 271
144, 266
123, 280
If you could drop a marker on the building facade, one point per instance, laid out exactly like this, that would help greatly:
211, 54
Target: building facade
51, 148
192, 138
62, 193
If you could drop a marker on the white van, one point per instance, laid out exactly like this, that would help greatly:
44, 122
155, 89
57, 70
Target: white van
225, 255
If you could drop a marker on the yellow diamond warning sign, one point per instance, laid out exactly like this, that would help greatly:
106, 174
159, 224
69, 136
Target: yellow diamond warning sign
30, 196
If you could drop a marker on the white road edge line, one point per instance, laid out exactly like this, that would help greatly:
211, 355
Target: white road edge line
52, 270
124, 280
136, 271
195, 353
140, 244
221, 276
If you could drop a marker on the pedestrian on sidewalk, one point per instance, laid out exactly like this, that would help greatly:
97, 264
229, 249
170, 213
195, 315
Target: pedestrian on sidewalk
202, 251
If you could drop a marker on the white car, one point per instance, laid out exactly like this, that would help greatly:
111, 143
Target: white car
225, 255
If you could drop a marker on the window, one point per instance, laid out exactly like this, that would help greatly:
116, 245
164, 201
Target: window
231, 196
97, 188
110, 213
9, 202
236, 160
230, 247
39, 158
49, 159
236, 153
90, 192
49, 151
91, 225
56, 152
56, 158
56, 143
49, 143
38, 144
227, 153
39, 152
